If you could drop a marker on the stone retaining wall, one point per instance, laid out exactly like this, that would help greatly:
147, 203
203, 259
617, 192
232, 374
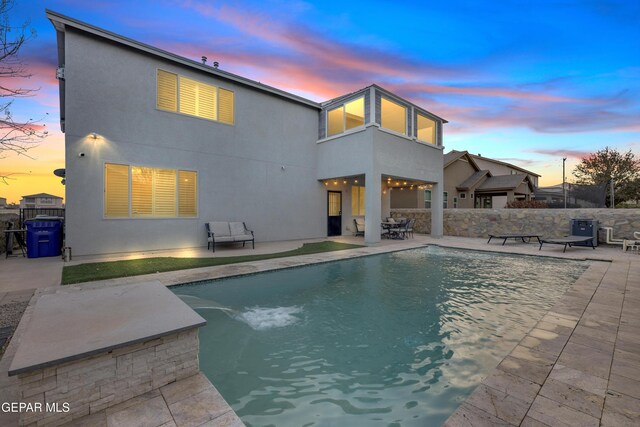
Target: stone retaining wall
92, 384
546, 222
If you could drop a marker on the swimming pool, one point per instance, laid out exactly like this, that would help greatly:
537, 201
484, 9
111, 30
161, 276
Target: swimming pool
394, 339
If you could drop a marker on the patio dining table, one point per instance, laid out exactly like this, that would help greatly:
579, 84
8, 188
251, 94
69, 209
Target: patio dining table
394, 229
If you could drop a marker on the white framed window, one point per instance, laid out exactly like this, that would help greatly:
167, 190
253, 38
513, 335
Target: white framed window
180, 94
145, 192
425, 129
455, 202
345, 117
427, 199
445, 200
463, 195
471, 195
393, 116
357, 200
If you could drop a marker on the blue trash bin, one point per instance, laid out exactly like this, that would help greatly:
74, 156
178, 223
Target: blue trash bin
44, 237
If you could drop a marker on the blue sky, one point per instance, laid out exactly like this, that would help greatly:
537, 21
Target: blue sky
525, 82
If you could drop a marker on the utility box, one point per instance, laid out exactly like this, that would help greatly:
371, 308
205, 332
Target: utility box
44, 237
587, 228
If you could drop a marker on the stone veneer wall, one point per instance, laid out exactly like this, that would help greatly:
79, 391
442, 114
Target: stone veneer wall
104, 380
546, 222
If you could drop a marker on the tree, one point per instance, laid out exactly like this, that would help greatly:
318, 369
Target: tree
16, 136
608, 163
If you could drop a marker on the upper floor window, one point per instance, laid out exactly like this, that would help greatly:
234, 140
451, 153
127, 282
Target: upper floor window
184, 95
425, 129
393, 116
345, 117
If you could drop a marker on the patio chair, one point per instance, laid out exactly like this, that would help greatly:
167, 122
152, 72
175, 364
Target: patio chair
384, 232
410, 225
359, 224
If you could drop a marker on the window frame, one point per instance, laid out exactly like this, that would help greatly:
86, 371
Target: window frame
435, 130
430, 198
354, 199
178, 98
344, 117
463, 196
406, 112
445, 200
129, 182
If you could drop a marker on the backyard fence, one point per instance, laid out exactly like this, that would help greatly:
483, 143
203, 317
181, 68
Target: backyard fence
28, 213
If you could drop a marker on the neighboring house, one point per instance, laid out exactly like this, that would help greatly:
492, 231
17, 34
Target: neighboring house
41, 200
157, 145
3, 202
467, 185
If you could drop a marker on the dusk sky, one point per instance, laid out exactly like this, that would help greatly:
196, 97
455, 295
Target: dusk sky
520, 81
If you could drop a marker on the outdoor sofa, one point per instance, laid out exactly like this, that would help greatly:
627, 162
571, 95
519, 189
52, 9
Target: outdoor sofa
228, 232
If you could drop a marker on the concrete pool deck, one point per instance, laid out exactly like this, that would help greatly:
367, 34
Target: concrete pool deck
579, 365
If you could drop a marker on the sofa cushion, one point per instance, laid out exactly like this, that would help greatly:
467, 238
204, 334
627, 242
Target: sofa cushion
219, 229
237, 228
242, 237
223, 239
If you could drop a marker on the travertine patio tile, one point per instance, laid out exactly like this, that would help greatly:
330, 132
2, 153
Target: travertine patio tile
563, 316
629, 337
499, 404
579, 379
532, 371
624, 345
545, 341
621, 410
600, 318
508, 383
602, 345
228, 419
559, 321
150, 413
586, 359
553, 327
595, 333
198, 409
525, 353
96, 420
531, 422
468, 415
573, 397
134, 401
626, 355
554, 414
184, 388
624, 385
626, 368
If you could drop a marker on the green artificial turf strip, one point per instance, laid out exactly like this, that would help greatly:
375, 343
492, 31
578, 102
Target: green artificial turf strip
114, 269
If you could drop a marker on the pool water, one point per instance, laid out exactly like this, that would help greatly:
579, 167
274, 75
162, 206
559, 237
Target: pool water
394, 339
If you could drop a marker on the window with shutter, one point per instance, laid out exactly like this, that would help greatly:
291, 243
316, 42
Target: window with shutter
167, 91
141, 191
187, 193
164, 192
226, 101
116, 191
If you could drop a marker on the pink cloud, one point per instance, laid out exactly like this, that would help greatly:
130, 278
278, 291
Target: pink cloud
570, 154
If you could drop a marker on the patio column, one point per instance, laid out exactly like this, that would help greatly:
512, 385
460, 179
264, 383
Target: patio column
437, 211
372, 207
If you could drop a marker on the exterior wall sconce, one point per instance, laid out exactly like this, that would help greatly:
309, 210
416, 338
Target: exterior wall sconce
93, 135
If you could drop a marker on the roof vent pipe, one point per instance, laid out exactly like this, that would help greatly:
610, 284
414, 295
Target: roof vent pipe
204, 60
215, 64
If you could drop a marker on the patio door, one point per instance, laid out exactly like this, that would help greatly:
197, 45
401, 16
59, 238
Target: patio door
334, 213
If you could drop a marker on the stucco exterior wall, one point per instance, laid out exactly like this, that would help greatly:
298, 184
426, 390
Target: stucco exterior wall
262, 170
546, 222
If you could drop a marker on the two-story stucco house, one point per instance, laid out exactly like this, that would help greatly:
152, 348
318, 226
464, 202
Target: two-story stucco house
41, 200
157, 145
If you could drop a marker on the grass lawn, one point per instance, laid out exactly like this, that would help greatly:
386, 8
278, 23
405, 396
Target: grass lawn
113, 269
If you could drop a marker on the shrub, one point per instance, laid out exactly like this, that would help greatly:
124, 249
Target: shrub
526, 204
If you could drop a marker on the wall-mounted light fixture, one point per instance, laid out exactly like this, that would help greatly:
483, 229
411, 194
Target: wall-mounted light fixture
93, 135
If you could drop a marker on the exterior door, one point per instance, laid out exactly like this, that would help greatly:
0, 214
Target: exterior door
334, 212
